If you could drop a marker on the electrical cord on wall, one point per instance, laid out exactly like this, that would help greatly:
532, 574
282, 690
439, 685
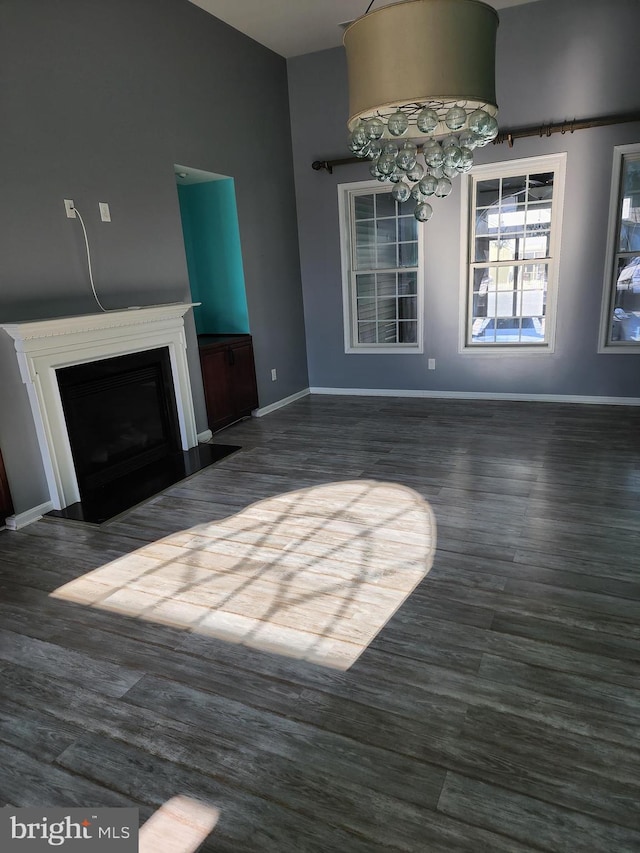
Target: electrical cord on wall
86, 243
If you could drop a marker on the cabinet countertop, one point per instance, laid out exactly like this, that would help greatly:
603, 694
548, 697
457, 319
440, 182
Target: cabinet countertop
210, 340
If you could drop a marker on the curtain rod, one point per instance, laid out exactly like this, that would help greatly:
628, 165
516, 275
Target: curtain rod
509, 136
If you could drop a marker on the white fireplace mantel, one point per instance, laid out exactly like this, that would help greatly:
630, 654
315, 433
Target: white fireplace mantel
44, 346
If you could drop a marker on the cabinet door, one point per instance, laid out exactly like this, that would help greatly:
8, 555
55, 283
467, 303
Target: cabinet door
244, 379
6, 507
218, 388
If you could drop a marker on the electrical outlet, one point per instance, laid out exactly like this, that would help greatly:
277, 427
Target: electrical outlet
69, 208
274, 375
105, 213
431, 364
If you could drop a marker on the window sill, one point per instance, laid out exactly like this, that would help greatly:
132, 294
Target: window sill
384, 349
505, 349
627, 348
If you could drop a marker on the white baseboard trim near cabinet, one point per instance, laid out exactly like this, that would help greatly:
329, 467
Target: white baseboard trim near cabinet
204, 437
479, 395
279, 404
21, 519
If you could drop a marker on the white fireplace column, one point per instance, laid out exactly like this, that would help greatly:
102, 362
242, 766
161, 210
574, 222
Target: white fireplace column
44, 346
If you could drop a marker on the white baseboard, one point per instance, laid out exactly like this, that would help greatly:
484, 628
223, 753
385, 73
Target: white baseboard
204, 437
479, 395
279, 404
21, 519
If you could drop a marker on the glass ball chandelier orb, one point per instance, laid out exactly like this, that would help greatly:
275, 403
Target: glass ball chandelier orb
422, 93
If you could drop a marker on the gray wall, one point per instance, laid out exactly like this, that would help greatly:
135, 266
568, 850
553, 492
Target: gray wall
98, 100
556, 60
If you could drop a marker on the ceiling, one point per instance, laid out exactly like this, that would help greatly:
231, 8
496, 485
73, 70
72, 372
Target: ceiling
293, 27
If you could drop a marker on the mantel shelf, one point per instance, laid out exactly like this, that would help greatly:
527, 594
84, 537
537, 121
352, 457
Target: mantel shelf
61, 326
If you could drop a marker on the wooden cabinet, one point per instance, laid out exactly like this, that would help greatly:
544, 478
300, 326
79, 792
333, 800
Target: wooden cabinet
229, 377
6, 507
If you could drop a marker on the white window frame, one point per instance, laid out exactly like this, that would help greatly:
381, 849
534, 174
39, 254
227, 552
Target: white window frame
346, 193
511, 168
605, 346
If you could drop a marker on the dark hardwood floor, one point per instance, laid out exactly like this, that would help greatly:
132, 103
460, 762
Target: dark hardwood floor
498, 710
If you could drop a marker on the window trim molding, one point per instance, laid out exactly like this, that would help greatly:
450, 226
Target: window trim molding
345, 192
506, 168
605, 347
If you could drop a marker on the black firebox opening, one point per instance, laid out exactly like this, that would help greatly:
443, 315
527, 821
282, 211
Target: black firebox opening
122, 422
121, 416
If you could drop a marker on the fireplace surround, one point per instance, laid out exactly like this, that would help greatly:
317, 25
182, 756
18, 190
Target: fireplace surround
44, 347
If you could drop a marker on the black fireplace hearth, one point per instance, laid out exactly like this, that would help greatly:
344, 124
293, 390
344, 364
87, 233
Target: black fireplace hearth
106, 502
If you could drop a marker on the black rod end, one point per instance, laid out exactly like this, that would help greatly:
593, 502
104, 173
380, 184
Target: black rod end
322, 164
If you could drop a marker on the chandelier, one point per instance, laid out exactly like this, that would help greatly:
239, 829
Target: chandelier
422, 93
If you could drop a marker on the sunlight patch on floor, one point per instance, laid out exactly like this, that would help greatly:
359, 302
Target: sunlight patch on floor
314, 574
179, 826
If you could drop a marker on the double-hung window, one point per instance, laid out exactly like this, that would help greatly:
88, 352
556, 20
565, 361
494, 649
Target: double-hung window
513, 215
620, 326
381, 245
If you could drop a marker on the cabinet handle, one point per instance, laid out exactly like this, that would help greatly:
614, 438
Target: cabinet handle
232, 358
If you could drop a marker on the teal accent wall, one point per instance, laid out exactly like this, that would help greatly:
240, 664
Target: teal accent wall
214, 257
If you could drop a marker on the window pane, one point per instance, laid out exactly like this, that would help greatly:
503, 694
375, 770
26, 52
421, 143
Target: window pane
540, 186
386, 255
387, 309
628, 279
535, 246
486, 221
508, 331
366, 309
407, 332
532, 303
407, 283
365, 233
386, 284
625, 318
387, 333
408, 255
538, 215
365, 257
487, 192
504, 278
513, 190
630, 211
408, 308
386, 230
534, 277
363, 206
365, 285
385, 205
407, 228
366, 333
512, 219
504, 249
486, 248
501, 304
483, 330
482, 280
